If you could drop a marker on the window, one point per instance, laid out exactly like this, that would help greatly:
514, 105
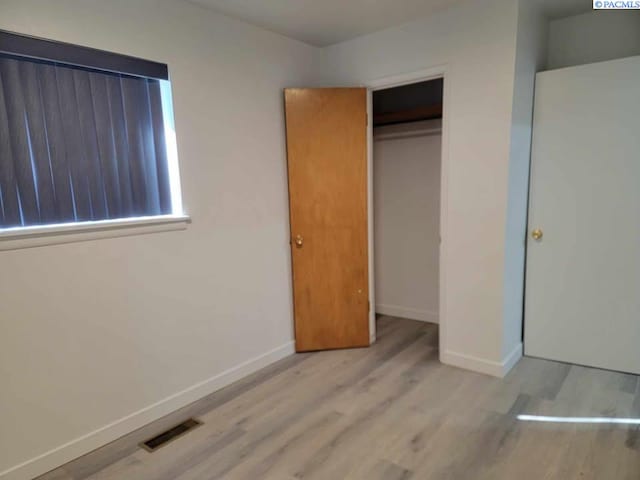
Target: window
85, 136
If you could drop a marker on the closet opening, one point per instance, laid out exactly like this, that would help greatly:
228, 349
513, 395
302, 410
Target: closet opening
406, 199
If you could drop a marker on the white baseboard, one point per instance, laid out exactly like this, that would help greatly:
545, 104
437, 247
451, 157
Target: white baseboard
405, 312
481, 365
510, 360
83, 445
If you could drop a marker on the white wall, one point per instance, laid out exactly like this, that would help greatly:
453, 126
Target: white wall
477, 42
531, 48
594, 36
120, 330
406, 189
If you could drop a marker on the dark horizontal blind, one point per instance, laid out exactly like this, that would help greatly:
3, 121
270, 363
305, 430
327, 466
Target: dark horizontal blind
79, 145
50, 50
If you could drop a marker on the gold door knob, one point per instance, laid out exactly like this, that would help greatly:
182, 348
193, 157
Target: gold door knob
299, 241
536, 234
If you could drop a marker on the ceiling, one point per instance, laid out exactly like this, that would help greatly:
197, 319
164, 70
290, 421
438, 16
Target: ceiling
325, 22
564, 8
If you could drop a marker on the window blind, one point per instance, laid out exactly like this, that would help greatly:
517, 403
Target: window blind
80, 141
26, 46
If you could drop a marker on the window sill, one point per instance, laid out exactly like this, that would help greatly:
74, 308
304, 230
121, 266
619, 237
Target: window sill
39, 236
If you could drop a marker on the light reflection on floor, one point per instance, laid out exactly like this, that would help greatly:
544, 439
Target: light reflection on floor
611, 420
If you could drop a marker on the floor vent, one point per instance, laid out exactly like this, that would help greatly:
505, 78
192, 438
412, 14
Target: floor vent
168, 436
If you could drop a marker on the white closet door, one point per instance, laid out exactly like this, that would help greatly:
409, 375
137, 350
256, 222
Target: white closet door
583, 275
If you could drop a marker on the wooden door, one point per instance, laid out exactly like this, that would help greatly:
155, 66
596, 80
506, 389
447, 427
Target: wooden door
327, 159
583, 261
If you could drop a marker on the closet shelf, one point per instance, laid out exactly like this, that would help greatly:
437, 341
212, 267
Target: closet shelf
413, 115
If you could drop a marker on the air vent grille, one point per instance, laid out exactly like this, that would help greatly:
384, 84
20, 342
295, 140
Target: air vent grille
168, 436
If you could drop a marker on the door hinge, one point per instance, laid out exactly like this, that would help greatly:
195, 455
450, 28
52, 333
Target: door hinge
368, 306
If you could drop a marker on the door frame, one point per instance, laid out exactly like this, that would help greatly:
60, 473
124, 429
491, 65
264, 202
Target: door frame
431, 73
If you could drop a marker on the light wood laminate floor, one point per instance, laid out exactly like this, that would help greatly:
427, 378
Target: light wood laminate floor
391, 412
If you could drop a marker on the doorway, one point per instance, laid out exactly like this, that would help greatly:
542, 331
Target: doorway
330, 147
406, 173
